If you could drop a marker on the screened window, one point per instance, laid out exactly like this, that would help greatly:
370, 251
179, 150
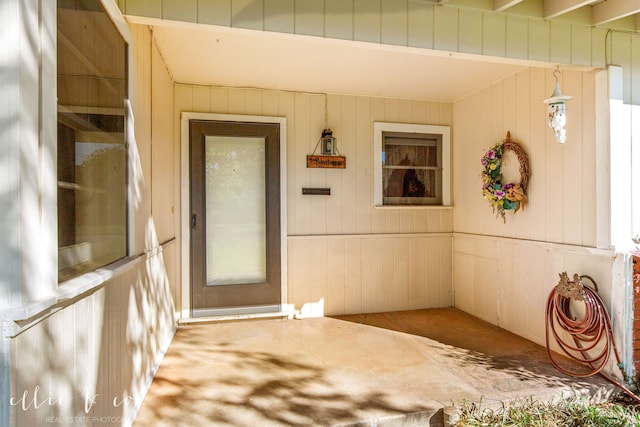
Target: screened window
92, 155
412, 164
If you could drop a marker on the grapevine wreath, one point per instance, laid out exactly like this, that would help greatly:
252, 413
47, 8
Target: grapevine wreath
504, 197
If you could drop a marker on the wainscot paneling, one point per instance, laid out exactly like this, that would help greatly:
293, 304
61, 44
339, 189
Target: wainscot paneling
507, 281
94, 358
330, 275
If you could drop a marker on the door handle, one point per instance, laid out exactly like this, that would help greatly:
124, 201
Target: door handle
193, 220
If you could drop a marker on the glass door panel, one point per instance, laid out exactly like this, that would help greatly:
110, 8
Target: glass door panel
235, 210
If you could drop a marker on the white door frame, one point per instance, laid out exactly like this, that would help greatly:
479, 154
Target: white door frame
185, 195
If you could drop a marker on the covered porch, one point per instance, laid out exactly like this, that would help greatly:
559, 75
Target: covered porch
457, 277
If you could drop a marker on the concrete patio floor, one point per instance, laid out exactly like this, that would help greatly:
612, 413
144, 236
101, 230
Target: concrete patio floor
385, 369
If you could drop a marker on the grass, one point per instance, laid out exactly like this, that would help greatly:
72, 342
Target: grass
569, 412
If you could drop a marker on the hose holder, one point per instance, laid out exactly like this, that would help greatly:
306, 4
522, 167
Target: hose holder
573, 289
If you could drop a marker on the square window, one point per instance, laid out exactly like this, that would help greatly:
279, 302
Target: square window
412, 165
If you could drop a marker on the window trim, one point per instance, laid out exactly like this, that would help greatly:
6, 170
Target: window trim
443, 132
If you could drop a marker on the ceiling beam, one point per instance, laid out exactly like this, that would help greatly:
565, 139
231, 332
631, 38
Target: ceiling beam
553, 8
500, 5
613, 9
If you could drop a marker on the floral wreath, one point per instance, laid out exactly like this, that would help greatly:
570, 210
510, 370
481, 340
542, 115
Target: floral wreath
503, 197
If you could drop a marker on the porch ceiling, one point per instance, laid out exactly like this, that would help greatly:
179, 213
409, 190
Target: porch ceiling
246, 58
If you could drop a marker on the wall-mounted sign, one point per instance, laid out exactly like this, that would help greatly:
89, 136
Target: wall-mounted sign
330, 162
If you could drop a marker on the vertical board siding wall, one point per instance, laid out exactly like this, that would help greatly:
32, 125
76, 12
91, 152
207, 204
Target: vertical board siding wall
504, 271
562, 208
366, 274
466, 29
349, 209
562, 197
106, 344
394, 22
165, 163
336, 241
506, 282
155, 179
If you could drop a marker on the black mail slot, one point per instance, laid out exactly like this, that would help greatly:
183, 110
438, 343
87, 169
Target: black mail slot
316, 191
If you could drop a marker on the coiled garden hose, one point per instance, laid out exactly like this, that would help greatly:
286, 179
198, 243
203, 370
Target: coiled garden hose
590, 334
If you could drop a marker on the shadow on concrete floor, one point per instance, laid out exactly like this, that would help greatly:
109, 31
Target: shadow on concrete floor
344, 371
